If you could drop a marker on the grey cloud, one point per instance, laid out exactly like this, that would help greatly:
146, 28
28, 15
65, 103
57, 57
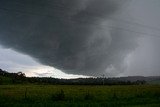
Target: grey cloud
66, 34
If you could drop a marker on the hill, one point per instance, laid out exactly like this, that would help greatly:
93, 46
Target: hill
19, 78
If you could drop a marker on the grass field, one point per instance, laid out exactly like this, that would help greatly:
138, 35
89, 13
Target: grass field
79, 96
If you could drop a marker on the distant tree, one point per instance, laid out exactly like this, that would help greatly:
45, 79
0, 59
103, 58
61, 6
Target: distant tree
1, 81
20, 74
18, 77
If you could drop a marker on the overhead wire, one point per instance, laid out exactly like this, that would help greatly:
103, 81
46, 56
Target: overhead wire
82, 21
61, 9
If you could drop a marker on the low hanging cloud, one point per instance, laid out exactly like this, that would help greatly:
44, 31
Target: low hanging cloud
67, 34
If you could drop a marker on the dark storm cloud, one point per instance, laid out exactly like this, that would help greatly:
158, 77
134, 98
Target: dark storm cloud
66, 34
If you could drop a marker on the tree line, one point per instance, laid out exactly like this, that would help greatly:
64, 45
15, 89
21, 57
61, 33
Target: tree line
20, 78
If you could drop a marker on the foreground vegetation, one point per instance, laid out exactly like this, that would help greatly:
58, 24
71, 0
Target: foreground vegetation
80, 95
17, 90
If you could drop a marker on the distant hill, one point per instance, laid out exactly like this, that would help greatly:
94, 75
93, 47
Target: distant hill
148, 79
14, 78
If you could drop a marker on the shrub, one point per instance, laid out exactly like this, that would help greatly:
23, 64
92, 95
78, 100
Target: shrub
115, 96
59, 96
88, 96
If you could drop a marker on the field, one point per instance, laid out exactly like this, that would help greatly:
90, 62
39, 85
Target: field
79, 96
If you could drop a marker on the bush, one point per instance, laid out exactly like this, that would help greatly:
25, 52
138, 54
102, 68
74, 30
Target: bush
88, 96
59, 96
115, 97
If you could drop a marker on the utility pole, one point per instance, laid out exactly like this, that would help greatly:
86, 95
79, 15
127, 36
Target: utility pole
103, 79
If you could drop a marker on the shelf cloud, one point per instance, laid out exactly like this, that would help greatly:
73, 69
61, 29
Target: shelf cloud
75, 36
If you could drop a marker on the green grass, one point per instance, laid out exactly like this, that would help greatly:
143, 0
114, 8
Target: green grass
79, 96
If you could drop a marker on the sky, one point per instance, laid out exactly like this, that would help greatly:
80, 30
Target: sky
80, 38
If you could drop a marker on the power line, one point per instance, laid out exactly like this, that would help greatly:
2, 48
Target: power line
97, 25
136, 23
61, 9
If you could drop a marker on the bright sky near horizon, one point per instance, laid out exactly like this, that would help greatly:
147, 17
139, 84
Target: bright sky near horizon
13, 61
